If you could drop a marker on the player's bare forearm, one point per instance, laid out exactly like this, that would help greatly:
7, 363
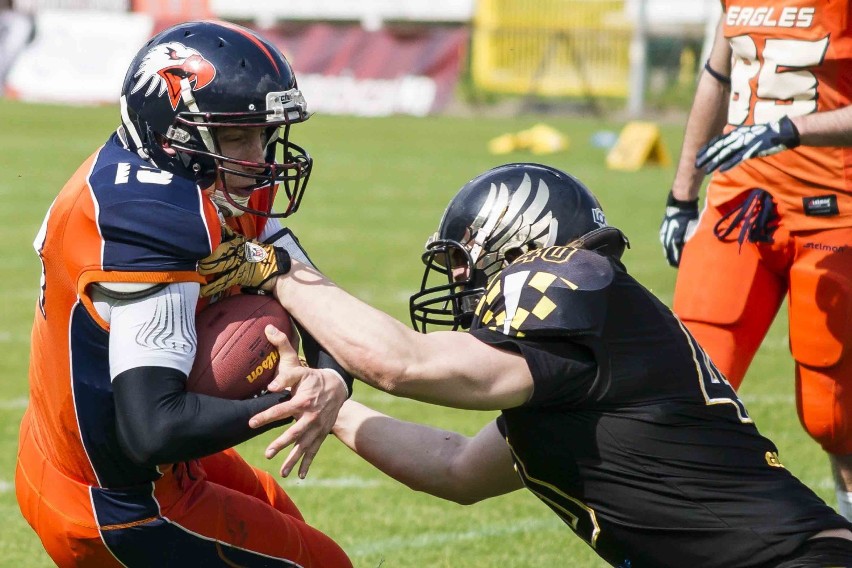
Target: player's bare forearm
706, 119
378, 353
448, 368
439, 462
830, 128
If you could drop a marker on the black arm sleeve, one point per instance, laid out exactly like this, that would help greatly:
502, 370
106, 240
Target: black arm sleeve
317, 357
159, 422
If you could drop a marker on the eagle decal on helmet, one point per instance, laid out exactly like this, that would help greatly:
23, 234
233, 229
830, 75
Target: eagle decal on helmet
175, 68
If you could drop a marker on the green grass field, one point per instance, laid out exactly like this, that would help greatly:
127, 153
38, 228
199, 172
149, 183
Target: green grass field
378, 189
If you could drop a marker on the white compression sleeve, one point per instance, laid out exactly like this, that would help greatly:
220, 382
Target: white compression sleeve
156, 330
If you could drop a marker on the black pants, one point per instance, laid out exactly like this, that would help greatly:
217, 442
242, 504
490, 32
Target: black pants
820, 553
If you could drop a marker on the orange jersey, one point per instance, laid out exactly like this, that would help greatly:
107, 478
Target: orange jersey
120, 220
790, 57
116, 220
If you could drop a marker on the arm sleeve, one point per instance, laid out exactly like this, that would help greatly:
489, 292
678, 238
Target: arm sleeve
159, 422
154, 328
318, 358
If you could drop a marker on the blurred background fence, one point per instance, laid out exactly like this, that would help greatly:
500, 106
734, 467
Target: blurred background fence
383, 57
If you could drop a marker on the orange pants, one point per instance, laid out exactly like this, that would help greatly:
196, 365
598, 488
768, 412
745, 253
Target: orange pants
219, 512
728, 296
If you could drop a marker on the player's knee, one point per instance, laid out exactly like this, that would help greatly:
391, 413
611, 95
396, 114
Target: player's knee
825, 433
825, 410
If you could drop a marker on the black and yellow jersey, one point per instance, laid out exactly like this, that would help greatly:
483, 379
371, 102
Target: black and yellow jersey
632, 436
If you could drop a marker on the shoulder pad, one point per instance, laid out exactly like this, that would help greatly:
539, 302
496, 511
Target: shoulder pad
149, 219
556, 291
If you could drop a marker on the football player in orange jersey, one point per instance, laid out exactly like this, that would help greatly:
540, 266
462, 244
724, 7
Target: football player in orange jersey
118, 465
772, 118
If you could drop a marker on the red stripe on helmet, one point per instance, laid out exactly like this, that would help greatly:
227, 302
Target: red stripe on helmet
253, 39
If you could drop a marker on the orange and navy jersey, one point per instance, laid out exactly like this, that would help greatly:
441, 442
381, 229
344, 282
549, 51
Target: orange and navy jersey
790, 57
118, 219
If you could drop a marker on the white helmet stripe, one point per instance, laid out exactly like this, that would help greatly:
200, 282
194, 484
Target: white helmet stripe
519, 198
530, 216
554, 230
483, 213
189, 101
130, 128
495, 214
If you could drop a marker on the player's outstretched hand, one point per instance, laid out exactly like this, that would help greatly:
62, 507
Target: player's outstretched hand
677, 227
238, 261
317, 395
757, 141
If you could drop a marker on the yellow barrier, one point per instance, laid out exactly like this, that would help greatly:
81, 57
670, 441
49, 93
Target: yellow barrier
551, 47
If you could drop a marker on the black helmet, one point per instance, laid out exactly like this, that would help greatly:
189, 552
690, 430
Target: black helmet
195, 77
493, 219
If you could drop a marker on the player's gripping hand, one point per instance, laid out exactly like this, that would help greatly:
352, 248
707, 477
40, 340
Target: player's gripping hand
317, 397
241, 262
726, 151
677, 227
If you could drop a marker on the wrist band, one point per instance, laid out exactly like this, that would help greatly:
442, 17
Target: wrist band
672, 201
716, 75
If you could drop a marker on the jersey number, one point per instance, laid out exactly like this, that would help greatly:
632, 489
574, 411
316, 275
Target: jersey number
573, 512
143, 175
714, 386
122, 176
785, 87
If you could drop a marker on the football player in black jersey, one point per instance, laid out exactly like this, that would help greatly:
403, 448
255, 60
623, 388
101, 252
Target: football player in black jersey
611, 412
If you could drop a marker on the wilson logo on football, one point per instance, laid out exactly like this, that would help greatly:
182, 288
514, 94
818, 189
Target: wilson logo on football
254, 253
268, 363
175, 68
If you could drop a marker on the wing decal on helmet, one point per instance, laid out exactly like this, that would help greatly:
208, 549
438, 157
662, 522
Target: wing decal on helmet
533, 220
172, 67
487, 218
504, 217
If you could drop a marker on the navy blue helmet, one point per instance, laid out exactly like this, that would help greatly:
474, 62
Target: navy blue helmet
195, 77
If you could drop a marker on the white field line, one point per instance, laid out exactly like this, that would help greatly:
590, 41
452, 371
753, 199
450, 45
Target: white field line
433, 539
9, 337
334, 482
825, 483
788, 398
14, 403
377, 294
371, 396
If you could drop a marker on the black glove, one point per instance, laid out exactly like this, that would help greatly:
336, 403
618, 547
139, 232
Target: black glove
677, 226
726, 151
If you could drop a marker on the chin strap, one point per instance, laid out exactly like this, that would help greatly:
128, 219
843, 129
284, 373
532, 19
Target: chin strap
225, 206
607, 241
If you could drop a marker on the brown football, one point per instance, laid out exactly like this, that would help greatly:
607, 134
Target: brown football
234, 359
